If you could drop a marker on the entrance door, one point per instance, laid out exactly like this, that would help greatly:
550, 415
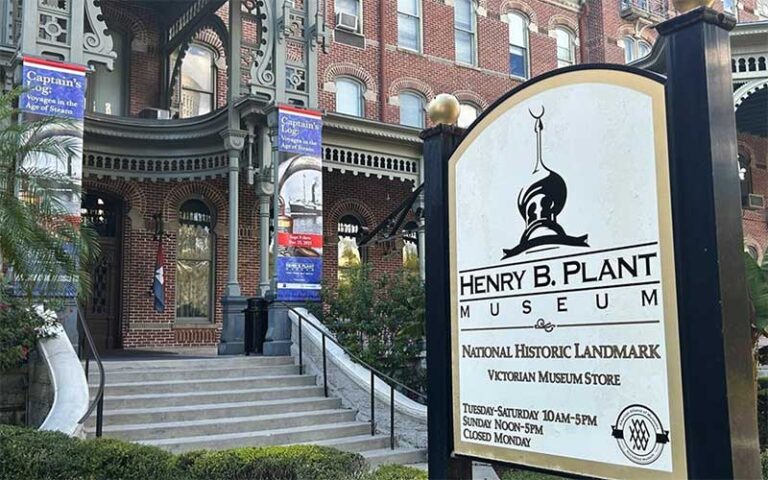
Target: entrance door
103, 307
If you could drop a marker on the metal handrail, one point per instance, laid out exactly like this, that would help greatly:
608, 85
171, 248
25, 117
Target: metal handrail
391, 382
98, 400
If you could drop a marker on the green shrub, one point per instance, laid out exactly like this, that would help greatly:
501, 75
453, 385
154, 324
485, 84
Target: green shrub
380, 319
515, 474
296, 462
397, 472
32, 454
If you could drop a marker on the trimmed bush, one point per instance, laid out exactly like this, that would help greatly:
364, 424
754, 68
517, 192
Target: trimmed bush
32, 454
295, 462
515, 474
762, 412
397, 472
764, 460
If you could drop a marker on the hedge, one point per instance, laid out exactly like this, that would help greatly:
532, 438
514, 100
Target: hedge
27, 453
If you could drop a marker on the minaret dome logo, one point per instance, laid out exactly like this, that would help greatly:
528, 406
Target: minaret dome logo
539, 202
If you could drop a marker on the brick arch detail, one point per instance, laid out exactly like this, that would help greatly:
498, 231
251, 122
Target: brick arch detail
350, 70
129, 192
516, 5
749, 240
410, 83
210, 38
558, 20
184, 191
119, 13
348, 206
471, 97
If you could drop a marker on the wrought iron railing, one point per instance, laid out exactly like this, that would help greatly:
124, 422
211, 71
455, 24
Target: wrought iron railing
391, 382
87, 346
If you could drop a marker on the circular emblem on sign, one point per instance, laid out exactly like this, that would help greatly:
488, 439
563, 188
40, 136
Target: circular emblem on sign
640, 435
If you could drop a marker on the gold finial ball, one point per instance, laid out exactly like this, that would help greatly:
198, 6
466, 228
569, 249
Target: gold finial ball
444, 108
683, 6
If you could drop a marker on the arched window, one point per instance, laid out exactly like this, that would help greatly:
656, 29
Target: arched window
194, 263
566, 48
349, 97
106, 90
411, 109
198, 81
745, 175
464, 31
411, 246
752, 252
467, 114
518, 44
634, 49
350, 230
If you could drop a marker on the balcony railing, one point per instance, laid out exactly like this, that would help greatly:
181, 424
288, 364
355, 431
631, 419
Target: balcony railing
654, 10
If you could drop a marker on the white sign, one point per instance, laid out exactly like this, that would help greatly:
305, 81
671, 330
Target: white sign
564, 317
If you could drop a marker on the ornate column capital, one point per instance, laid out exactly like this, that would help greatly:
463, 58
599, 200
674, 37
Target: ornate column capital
234, 139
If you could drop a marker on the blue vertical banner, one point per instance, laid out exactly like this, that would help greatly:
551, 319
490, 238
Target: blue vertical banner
56, 89
300, 219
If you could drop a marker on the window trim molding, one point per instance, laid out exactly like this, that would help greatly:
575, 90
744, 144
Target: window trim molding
571, 43
527, 36
361, 96
422, 99
475, 54
214, 76
420, 17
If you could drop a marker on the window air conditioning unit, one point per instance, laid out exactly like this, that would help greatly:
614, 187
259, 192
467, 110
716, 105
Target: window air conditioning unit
345, 21
756, 201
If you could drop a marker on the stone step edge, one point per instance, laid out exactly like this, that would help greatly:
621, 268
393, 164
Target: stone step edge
209, 421
259, 368
214, 406
258, 433
200, 380
118, 364
157, 396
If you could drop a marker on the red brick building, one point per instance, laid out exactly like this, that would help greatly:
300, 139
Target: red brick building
178, 135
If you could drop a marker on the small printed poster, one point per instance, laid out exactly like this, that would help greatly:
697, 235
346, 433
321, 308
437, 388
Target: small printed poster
300, 131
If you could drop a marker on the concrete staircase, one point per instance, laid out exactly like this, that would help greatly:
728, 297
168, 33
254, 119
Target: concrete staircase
225, 402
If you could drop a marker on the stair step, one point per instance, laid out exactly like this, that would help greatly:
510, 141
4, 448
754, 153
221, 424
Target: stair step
180, 413
222, 372
206, 362
279, 436
207, 427
400, 455
115, 402
358, 443
206, 385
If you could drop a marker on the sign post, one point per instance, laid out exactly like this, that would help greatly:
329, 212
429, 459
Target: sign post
585, 286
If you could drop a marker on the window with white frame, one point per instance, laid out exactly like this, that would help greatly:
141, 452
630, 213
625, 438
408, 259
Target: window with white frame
518, 44
411, 109
349, 97
464, 30
348, 15
467, 114
566, 47
409, 24
198, 82
634, 48
730, 6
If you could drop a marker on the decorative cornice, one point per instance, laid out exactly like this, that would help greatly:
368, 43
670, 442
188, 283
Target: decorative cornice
371, 128
151, 129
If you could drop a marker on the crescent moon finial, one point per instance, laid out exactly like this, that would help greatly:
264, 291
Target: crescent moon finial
537, 117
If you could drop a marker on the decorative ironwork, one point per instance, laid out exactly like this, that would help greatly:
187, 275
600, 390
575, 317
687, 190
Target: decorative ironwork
654, 10
262, 74
54, 21
295, 78
97, 44
751, 65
